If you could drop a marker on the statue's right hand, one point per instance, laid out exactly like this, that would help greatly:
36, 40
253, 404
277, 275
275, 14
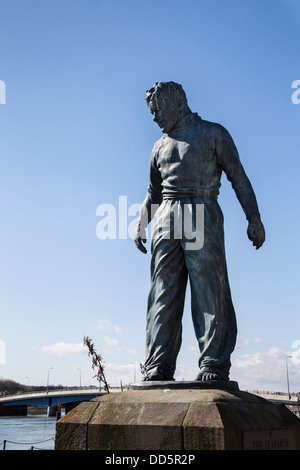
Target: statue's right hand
139, 243
140, 238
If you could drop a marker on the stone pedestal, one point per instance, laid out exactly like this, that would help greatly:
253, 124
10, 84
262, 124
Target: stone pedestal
179, 416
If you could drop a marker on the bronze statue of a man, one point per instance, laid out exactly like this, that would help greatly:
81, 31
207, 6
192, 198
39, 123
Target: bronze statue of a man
185, 171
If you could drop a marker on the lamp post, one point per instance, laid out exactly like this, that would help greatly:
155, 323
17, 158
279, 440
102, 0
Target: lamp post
287, 375
79, 377
48, 378
134, 372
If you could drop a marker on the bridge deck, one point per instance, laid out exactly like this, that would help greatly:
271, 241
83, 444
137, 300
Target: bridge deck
49, 399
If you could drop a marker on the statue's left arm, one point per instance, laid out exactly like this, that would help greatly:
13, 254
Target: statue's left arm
228, 159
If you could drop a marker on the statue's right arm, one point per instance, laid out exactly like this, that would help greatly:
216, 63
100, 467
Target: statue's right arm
149, 206
142, 223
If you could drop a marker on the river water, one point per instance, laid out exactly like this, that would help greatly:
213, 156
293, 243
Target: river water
24, 432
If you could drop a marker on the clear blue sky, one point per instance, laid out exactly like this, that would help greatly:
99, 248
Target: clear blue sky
76, 133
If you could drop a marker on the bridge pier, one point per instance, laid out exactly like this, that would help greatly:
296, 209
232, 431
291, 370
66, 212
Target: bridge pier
52, 410
13, 410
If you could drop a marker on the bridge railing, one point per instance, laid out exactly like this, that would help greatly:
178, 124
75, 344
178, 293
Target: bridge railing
50, 390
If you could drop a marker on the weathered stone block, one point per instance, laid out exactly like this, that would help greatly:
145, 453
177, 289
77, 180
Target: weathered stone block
178, 419
138, 426
71, 430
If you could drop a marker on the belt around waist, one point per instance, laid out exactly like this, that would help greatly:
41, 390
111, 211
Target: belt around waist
198, 194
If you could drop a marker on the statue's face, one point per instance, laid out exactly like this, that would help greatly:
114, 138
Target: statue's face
165, 112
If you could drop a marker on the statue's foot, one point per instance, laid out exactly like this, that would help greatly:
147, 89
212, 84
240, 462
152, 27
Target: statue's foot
157, 377
206, 376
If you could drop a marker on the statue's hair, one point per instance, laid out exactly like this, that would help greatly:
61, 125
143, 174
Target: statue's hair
165, 88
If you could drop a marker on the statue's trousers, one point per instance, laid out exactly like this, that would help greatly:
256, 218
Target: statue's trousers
176, 257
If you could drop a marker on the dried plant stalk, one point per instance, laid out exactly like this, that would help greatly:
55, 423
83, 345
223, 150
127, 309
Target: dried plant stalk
97, 362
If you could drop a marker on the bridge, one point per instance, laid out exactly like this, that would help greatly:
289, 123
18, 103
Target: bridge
291, 401
16, 405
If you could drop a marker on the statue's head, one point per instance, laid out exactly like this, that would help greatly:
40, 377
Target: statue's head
168, 104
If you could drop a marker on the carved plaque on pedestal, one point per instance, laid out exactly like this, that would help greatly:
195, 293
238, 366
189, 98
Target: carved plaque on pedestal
269, 440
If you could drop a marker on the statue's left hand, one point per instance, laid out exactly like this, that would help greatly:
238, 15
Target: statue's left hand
256, 232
